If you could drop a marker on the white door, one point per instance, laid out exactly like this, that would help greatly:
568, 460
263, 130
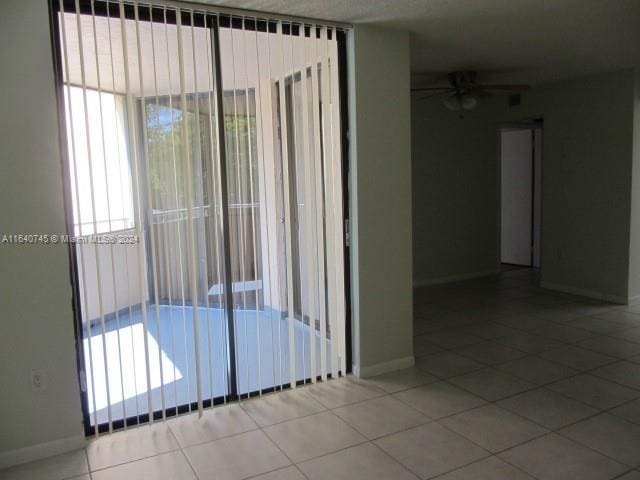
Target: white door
517, 196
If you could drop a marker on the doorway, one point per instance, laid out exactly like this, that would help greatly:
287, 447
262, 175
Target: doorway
520, 191
204, 201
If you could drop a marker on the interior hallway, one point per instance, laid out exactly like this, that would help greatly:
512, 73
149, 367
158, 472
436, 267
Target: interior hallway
511, 382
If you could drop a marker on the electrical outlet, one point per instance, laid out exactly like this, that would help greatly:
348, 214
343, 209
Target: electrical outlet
38, 380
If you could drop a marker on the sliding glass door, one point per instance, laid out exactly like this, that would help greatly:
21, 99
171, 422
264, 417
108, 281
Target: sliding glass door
205, 205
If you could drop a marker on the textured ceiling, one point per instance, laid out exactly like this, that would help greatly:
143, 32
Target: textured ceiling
533, 41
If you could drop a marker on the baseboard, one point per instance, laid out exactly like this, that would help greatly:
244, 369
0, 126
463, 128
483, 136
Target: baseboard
455, 278
585, 293
384, 367
633, 300
41, 450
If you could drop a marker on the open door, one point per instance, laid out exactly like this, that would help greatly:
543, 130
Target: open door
520, 193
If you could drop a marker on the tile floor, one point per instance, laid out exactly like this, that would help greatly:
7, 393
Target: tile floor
511, 382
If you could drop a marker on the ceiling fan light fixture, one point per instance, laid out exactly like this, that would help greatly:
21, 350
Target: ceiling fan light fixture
452, 103
456, 103
468, 101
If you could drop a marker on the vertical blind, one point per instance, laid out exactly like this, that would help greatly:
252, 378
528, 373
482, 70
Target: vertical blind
205, 195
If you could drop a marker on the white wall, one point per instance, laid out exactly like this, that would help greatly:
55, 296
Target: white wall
586, 184
36, 329
456, 181
380, 188
120, 285
634, 242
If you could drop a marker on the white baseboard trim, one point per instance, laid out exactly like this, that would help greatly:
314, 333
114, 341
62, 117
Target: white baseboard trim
585, 293
633, 300
41, 450
384, 367
455, 278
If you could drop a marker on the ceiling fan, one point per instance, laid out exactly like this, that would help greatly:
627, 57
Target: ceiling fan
464, 92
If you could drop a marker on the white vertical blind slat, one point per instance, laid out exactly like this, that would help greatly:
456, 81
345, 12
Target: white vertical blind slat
113, 263
319, 232
212, 215
336, 185
137, 206
307, 162
106, 185
252, 195
171, 173
325, 103
191, 250
92, 182
262, 174
159, 262
287, 208
295, 127
73, 165
149, 203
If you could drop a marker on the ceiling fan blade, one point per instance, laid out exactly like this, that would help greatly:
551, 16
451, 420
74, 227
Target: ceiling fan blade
514, 88
481, 93
430, 89
437, 94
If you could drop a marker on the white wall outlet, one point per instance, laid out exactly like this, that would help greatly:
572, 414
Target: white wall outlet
38, 380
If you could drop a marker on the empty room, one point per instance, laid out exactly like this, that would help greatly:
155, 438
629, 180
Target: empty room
320, 240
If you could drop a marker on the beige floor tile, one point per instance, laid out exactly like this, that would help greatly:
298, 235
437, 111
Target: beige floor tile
490, 353
215, 423
234, 458
617, 315
553, 457
635, 475
363, 462
490, 330
577, 358
312, 436
529, 342
625, 373
58, 467
282, 406
168, 466
343, 391
493, 428
548, 408
563, 332
288, 473
536, 370
439, 399
631, 334
609, 435
451, 338
132, 444
447, 364
597, 325
615, 347
629, 411
431, 450
594, 391
402, 379
380, 416
421, 346
491, 468
491, 384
